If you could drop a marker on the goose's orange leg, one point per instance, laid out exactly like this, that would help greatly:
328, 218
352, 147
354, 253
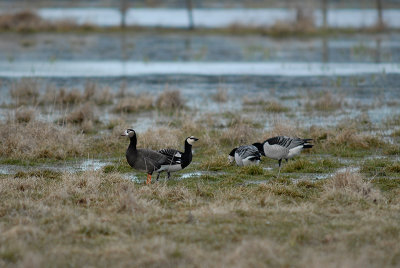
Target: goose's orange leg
148, 179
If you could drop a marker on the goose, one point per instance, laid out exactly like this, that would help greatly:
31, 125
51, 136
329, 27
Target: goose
145, 160
178, 160
245, 155
282, 147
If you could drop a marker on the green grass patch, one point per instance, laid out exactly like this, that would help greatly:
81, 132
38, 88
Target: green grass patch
380, 167
215, 163
42, 173
306, 166
251, 170
121, 167
386, 184
392, 150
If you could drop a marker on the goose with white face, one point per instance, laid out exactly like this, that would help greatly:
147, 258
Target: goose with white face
178, 160
191, 140
129, 132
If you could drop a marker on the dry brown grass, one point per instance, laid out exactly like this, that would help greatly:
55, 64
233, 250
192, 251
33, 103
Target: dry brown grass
63, 96
29, 21
239, 131
270, 106
84, 113
24, 114
347, 137
25, 91
103, 220
39, 140
170, 100
134, 104
221, 95
326, 102
350, 184
162, 137
24, 20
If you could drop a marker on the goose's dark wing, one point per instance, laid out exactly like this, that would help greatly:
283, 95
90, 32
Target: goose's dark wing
246, 151
287, 142
152, 159
174, 156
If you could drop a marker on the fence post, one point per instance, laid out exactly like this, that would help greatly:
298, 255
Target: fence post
380, 14
189, 7
123, 9
325, 14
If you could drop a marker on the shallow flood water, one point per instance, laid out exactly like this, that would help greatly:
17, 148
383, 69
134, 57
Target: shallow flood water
362, 70
215, 18
126, 69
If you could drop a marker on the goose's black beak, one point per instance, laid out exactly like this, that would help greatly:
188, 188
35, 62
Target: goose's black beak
196, 139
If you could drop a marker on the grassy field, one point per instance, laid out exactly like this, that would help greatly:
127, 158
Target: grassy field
337, 205
96, 219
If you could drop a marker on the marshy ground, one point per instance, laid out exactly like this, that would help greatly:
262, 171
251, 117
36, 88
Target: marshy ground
68, 197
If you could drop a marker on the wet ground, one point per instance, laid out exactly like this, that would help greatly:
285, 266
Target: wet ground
214, 18
364, 70
151, 47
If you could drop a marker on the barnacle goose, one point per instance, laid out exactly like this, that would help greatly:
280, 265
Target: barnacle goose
177, 160
282, 147
245, 155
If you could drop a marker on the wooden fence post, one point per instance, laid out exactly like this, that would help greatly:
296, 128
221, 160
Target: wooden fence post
189, 7
379, 8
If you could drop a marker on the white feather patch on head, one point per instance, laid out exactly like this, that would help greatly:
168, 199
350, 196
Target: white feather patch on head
231, 158
191, 140
130, 133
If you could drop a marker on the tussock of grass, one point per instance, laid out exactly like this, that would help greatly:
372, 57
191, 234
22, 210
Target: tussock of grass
326, 102
221, 95
282, 127
344, 141
170, 100
134, 104
239, 131
215, 163
63, 96
162, 137
84, 113
271, 106
27, 21
25, 91
24, 114
39, 140
347, 184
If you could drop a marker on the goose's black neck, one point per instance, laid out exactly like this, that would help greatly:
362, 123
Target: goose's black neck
132, 144
260, 147
188, 148
187, 155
